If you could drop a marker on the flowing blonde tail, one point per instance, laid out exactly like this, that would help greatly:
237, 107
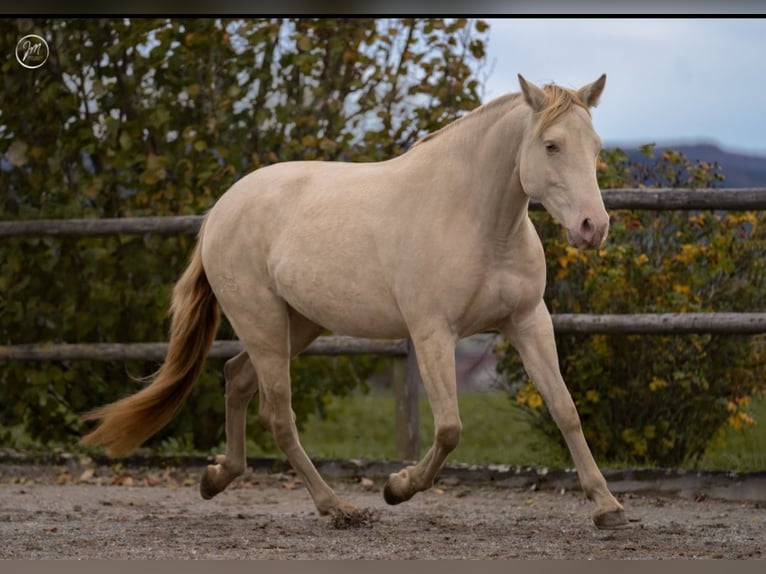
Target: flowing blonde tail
127, 423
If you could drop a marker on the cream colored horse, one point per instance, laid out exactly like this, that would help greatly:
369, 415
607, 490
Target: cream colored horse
434, 245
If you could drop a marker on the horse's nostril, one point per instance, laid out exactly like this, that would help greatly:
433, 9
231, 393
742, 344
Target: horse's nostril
587, 228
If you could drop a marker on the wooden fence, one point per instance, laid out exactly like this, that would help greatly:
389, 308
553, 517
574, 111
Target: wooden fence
744, 199
405, 375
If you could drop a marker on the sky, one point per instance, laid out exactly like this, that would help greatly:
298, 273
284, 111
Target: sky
684, 80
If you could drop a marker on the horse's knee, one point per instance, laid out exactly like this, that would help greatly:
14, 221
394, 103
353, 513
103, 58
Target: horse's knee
571, 425
282, 428
567, 418
283, 432
448, 436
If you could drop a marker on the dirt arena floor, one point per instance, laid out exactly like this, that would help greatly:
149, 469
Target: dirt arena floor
95, 512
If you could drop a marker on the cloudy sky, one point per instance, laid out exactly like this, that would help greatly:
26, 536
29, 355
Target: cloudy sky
668, 80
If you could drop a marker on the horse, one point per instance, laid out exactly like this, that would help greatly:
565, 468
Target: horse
434, 245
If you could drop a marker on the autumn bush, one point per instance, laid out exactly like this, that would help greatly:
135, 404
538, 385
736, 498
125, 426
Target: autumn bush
149, 117
648, 399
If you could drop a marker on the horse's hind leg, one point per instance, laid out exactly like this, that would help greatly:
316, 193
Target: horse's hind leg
265, 329
241, 384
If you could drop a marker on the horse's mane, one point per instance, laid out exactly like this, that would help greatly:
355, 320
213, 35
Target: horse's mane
491, 105
559, 101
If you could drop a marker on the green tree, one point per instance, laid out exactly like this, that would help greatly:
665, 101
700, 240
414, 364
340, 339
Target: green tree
137, 117
646, 398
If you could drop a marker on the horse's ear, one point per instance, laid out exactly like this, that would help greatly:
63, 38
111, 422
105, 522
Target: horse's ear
533, 95
591, 93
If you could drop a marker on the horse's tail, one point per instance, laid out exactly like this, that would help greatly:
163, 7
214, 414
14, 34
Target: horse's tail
127, 423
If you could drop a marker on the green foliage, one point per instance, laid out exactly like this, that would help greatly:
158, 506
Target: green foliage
494, 431
743, 449
139, 117
657, 400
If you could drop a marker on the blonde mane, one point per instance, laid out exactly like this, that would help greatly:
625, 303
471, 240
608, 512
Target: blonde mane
560, 100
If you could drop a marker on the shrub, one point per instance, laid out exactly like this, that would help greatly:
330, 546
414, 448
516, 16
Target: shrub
149, 117
651, 399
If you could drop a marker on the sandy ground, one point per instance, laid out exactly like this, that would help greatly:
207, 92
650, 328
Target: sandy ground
115, 513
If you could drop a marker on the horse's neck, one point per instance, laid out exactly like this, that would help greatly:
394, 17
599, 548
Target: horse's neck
479, 154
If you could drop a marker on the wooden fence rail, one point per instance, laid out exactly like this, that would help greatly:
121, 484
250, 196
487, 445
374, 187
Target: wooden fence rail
326, 346
661, 323
654, 200
644, 324
406, 378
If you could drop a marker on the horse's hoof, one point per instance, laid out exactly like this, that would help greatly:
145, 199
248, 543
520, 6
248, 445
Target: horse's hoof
206, 487
389, 496
612, 520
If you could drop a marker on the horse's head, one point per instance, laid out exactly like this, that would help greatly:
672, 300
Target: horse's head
558, 159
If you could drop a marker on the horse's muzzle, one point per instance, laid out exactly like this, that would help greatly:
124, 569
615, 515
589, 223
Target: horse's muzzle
590, 233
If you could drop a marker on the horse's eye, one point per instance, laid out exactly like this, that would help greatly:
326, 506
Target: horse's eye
551, 147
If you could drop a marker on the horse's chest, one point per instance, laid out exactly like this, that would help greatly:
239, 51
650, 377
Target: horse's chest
503, 293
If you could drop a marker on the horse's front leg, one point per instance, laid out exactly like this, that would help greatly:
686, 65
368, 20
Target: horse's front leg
435, 350
241, 385
532, 335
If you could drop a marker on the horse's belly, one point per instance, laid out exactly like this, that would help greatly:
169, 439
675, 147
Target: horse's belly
347, 316
343, 304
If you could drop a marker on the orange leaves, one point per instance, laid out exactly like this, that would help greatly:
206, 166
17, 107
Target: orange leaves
592, 396
739, 418
155, 169
688, 253
529, 396
657, 383
304, 43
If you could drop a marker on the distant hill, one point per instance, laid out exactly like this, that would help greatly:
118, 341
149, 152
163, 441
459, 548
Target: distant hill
740, 170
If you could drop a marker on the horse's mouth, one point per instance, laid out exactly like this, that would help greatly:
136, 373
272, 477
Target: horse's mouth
593, 242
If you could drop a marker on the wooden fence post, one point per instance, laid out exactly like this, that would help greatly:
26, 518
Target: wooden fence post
406, 383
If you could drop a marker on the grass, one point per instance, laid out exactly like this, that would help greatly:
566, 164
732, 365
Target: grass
494, 432
741, 451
